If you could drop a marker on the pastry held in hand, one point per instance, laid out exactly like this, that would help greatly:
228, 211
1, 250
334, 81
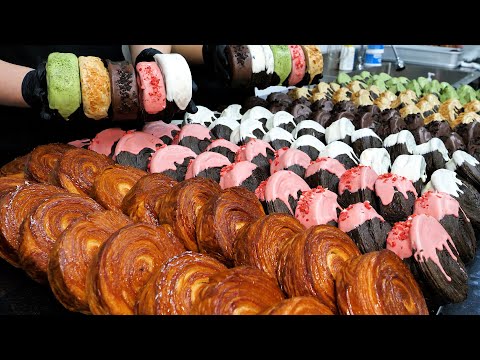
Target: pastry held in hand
242, 173
258, 152
466, 166
341, 152
224, 147
105, 141
151, 88
298, 65
396, 196
290, 159
208, 165
282, 63
282, 191
318, 206
262, 65
194, 136
325, 172
314, 64
413, 167
377, 158
171, 160
124, 90
401, 143
95, 84
363, 139
310, 145
435, 154
134, 149
357, 185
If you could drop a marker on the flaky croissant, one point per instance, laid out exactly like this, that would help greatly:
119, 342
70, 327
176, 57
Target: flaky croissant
299, 305
15, 168
42, 161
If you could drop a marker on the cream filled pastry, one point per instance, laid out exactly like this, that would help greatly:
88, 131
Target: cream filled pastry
282, 191
363, 139
290, 159
357, 185
341, 130
413, 167
104, 141
151, 87
95, 83
134, 149
194, 136
314, 64
223, 147
401, 143
232, 111
298, 65
258, 152
165, 131
223, 127
325, 172
278, 138
204, 116
251, 129
341, 152
281, 119
309, 127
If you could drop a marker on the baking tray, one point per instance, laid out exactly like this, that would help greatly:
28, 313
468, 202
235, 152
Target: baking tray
426, 55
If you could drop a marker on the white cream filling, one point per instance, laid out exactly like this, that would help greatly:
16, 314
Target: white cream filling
269, 61
258, 58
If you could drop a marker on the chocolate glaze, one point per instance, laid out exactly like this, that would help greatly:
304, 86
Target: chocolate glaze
421, 135
251, 102
300, 111
240, 62
124, 90
323, 117
279, 98
323, 104
453, 143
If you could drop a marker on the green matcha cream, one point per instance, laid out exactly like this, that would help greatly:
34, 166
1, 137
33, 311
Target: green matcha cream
282, 61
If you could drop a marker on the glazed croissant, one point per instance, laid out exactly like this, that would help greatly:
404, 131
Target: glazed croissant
299, 305
42, 160
15, 168
9, 183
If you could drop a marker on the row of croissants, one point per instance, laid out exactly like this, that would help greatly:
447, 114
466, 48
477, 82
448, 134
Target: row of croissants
112, 239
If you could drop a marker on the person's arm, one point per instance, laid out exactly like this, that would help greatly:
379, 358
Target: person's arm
192, 53
137, 49
11, 88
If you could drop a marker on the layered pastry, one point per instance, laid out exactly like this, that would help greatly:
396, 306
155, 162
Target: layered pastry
141, 201
365, 226
396, 196
182, 204
63, 83
342, 152
124, 90
340, 130
151, 88
309, 127
42, 161
258, 152
318, 206
309, 264
283, 120
164, 131
124, 264
223, 127
290, 159
325, 172
466, 166
9, 183
242, 173
401, 143
357, 185
105, 141
262, 65
447, 211
240, 61
282, 191
207, 164
204, 116
194, 136
171, 160
364, 287
299, 305
377, 158
134, 149
310, 145
77, 169
232, 111
43, 227
435, 154
298, 65
413, 167
175, 287
363, 139
282, 63
224, 147
95, 85
113, 183
314, 64
16, 167
278, 138
74, 251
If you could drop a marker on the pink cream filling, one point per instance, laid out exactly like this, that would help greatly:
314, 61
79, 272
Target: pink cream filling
166, 156
152, 94
298, 65
236, 173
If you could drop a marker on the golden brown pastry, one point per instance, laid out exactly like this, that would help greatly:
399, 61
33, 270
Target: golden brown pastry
95, 84
342, 94
124, 264
450, 110
356, 86
15, 206
173, 289
319, 96
42, 228
362, 97
310, 262
465, 118
403, 99
222, 218
73, 252
378, 283
314, 62
77, 169
242, 290
182, 204
409, 109
141, 200
297, 93
113, 183
42, 161
431, 98
473, 105
259, 244
382, 102
9, 183
15, 168
433, 117
299, 305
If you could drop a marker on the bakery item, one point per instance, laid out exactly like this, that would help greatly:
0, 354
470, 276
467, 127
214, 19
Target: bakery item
124, 91
262, 65
258, 152
357, 185
105, 141
401, 143
16, 167
413, 167
396, 195
318, 206
341, 152
378, 283
223, 127
134, 149
454, 142
278, 138
151, 88
309, 127
240, 61
300, 110
298, 65
194, 136
254, 101
279, 101
466, 166
325, 172
9, 183
310, 145
390, 123
42, 161
314, 65
259, 113
171, 160
204, 116
250, 129
281, 119
339, 130
363, 139
95, 85
299, 305
377, 158
164, 131
282, 191
290, 159
223, 147
282, 63
207, 164
233, 111
242, 173
435, 154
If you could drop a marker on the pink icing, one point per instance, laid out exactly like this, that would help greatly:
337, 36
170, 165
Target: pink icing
222, 142
384, 187
317, 207
236, 174
355, 215
437, 205
252, 149
282, 184
102, 142
205, 160
196, 130
398, 239
428, 236
286, 157
81, 143
260, 190
357, 178
166, 156
329, 164
160, 128
151, 94
135, 141
298, 65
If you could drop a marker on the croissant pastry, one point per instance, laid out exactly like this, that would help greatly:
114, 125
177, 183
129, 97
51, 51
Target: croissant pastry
181, 207
124, 264
15, 206
222, 218
77, 169
299, 305
15, 168
73, 252
309, 264
42, 160
173, 289
141, 201
378, 283
42, 228
242, 290
113, 183
9, 183
259, 244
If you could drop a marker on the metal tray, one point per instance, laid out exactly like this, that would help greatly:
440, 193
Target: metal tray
426, 55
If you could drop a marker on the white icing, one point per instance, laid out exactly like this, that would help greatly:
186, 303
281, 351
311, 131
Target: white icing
226, 121
177, 76
361, 133
427, 188
277, 133
256, 113
258, 58
402, 137
339, 130
308, 140
308, 124
203, 116
430, 146
232, 111
446, 181
269, 61
338, 148
280, 117
413, 167
377, 158
245, 130
458, 158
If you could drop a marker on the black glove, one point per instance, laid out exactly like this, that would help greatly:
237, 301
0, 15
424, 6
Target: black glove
216, 62
34, 91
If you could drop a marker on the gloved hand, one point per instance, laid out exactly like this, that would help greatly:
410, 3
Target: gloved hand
216, 62
34, 91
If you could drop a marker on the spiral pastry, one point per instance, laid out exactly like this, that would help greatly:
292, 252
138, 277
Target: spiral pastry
222, 218
42, 160
378, 283
242, 290
113, 183
299, 305
124, 264
181, 207
41, 230
309, 263
15, 168
9, 183
77, 169
173, 289
259, 244
141, 201
73, 252
15, 206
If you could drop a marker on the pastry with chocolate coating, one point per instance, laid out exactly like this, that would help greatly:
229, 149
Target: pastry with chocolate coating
357, 185
396, 197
